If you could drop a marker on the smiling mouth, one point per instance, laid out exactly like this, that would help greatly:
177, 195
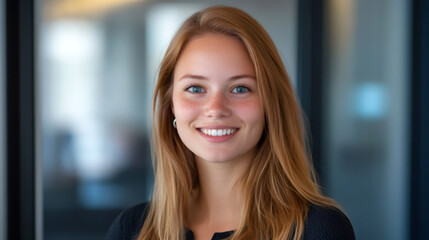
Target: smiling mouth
218, 132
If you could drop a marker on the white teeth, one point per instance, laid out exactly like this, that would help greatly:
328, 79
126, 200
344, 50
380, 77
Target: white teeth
218, 132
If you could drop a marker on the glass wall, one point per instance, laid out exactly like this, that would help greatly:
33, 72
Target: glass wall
97, 63
3, 195
367, 118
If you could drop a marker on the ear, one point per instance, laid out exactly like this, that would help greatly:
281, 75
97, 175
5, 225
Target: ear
172, 108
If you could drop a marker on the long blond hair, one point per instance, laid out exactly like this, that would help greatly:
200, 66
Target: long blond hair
279, 184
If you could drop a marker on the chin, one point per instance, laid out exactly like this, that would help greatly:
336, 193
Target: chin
216, 157
213, 159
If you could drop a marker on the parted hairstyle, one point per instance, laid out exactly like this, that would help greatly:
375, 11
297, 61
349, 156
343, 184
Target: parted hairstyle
279, 184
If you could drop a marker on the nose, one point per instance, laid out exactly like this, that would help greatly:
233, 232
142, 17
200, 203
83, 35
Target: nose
217, 106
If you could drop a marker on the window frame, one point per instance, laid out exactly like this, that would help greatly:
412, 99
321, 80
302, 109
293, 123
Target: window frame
2, 125
20, 119
310, 74
419, 197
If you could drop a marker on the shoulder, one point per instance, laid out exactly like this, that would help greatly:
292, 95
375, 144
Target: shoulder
327, 223
128, 223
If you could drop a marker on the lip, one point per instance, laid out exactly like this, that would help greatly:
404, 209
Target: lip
217, 127
217, 139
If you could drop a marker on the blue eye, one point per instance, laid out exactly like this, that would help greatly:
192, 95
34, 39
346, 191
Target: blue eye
195, 89
240, 89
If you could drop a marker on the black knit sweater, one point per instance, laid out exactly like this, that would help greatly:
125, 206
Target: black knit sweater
321, 224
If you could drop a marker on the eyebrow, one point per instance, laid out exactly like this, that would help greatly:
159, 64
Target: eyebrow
200, 77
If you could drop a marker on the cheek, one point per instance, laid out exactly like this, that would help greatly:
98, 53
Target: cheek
184, 108
251, 112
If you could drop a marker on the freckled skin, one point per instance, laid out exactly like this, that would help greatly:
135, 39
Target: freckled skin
220, 68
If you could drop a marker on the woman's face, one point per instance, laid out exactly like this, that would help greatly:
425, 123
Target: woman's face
216, 99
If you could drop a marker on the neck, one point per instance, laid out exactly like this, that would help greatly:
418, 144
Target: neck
218, 201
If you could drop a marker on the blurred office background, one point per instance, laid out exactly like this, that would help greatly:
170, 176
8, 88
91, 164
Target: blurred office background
97, 67
95, 64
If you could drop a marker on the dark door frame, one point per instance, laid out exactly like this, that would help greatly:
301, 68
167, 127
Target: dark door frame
20, 120
310, 73
419, 144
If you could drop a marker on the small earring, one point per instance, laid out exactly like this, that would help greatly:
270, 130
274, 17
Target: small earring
174, 123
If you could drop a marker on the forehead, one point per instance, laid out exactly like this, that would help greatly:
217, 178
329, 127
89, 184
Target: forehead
213, 52
213, 38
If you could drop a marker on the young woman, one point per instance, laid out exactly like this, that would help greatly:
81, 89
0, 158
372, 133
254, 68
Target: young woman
231, 161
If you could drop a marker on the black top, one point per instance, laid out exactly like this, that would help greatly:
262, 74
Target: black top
321, 224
